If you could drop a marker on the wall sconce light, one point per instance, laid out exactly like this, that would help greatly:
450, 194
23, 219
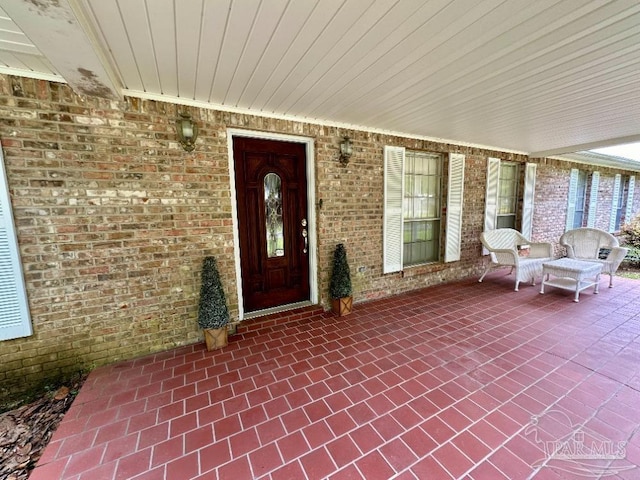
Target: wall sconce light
187, 132
346, 150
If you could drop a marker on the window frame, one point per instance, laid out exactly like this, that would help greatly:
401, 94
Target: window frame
392, 214
410, 197
580, 201
525, 201
578, 211
515, 197
622, 201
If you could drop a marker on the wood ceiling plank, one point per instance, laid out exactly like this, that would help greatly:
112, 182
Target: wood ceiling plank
116, 40
496, 109
261, 85
14, 37
278, 85
370, 33
162, 25
214, 21
265, 26
189, 23
326, 49
9, 60
431, 26
136, 24
18, 47
37, 63
518, 67
538, 90
452, 55
241, 20
521, 70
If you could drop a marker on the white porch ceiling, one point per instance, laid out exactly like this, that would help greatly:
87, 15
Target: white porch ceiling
540, 77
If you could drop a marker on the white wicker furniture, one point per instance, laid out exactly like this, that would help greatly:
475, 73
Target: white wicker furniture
585, 244
503, 244
571, 274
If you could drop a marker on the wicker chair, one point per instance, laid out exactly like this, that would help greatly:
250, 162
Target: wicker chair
503, 244
593, 245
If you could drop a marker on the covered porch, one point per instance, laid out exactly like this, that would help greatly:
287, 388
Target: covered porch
460, 380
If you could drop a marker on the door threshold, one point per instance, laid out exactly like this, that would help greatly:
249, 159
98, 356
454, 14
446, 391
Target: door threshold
278, 309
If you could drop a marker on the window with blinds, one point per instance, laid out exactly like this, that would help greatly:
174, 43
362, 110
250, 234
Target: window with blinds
507, 195
413, 196
422, 207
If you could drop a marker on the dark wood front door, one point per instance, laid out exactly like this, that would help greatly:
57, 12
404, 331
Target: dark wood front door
271, 189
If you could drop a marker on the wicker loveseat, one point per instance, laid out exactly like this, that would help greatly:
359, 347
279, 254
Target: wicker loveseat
591, 244
503, 246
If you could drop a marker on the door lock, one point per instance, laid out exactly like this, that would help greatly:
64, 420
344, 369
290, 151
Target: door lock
305, 235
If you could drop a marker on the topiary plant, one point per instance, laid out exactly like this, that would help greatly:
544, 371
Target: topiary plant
213, 312
340, 286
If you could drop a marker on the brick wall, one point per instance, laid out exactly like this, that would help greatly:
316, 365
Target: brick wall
552, 189
114, 219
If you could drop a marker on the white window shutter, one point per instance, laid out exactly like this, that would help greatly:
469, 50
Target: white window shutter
571, 203
528, 199
593, 199
491, 201
614, 202
392, 244
14, 311
455, 194
628, 214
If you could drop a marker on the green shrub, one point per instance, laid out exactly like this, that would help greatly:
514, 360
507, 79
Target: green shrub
633, 257
631, 233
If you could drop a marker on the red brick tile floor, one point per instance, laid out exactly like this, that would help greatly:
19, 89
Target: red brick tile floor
462, 380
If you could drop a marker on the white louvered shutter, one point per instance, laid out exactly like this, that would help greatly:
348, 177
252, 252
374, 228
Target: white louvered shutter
614, 202
14, 312
571, 203
628, 214
593, 199
393, 197
454, 207
491, 200
528, 198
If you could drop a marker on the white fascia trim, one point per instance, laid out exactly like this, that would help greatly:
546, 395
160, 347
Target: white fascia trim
600, 160
585, 147
314, 121
19, 72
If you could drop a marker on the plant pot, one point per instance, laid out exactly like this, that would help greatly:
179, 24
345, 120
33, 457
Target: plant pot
342, 306
215, 338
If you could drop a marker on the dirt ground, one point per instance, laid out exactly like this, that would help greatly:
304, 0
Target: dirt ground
26, 430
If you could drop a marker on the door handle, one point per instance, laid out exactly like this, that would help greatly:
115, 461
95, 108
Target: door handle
305, 235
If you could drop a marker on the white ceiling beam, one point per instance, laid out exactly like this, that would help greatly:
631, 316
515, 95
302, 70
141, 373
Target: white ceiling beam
58, 33
610, 142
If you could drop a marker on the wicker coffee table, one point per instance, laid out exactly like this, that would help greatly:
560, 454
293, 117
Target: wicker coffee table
570, 274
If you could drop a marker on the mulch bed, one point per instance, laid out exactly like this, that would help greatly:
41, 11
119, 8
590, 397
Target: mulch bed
26, 431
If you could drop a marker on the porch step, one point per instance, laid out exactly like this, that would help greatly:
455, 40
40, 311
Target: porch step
260, 325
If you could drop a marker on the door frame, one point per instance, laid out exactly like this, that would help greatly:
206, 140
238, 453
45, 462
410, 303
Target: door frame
311, 203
